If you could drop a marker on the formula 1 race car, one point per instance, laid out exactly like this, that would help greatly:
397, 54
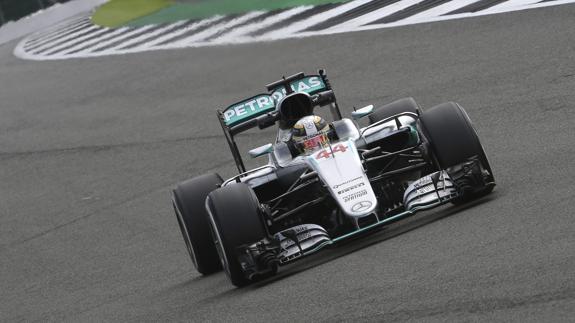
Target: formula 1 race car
335, 181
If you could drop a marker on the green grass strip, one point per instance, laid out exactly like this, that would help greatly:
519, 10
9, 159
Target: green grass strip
116, 13
208, 8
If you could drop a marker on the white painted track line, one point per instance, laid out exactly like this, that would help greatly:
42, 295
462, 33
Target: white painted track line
441, 9
313, 20
150, 35
215, 30
376, 14
77, 38
95, 40
59, 33
59, 29
449, 17
114, 40
71, 36
178, 33
242, 31
59, 26
511, 4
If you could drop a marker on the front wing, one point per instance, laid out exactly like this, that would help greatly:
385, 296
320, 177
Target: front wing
426, 193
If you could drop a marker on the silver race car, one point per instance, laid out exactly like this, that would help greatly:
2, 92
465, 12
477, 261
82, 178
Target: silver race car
324, 181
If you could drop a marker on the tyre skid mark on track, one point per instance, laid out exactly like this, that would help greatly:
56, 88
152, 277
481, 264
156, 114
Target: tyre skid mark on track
17, 154
162, 187
474, 307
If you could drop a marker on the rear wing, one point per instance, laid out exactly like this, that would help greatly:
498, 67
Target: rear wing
260, 110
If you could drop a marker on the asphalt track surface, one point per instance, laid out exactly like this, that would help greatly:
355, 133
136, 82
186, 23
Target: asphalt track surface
90, 149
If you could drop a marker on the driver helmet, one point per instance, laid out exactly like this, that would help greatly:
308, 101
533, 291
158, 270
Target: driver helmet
309, 133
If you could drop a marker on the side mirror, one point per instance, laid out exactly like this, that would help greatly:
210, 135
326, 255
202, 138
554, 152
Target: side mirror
360, 113
262, 150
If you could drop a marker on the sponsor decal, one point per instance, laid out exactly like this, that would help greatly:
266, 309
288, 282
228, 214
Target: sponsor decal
422, 182
354, 196
423, 186
248, 109
353, 187
310, 84
326, 153
302, 229
265, 103
425, 190
302, 233
309, 126
346, 182
361, 206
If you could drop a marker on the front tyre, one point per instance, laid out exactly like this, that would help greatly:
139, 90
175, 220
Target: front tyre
236, 221
453, 141
189, 201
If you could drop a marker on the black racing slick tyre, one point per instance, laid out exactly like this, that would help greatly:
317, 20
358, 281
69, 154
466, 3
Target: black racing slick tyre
189, 200
453, 140
393, 108
236, 221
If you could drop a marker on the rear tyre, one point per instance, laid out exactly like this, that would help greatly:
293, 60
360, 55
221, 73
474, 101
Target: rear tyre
453, 140
189, 201
236, 221
393, 108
